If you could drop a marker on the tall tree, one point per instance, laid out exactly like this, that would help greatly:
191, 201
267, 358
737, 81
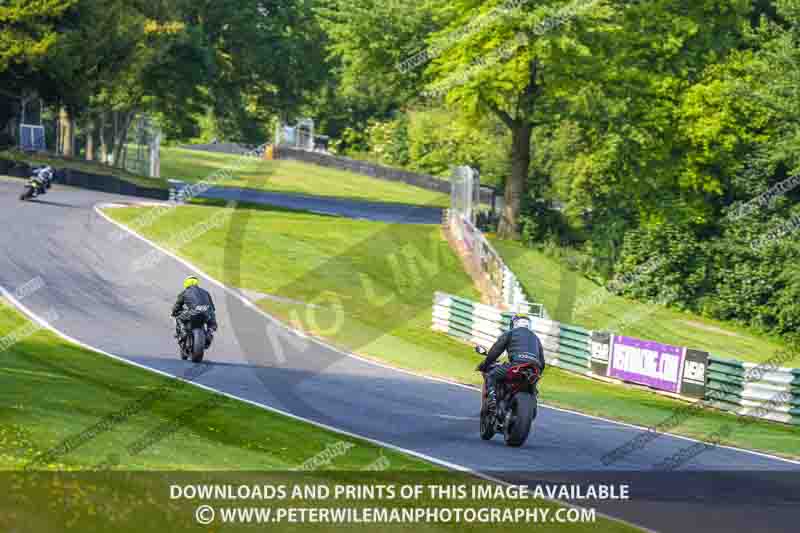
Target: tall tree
28, 30
514, 60
266, 58
378, 48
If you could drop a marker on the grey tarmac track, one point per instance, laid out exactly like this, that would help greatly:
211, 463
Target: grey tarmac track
101, 301
356, 209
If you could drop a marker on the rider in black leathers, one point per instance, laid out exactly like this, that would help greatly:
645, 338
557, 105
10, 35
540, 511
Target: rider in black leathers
188, 300
522, 345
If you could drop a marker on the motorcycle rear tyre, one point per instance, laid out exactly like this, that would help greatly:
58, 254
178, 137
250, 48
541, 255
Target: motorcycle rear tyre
523, 410
198, 344
487, 425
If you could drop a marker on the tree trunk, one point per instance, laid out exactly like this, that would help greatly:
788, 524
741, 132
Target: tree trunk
59, 136
516, 184
121, 137
103, 142
90, 141
67, 143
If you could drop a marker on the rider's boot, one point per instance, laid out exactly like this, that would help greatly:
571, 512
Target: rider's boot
491, 401
209, 338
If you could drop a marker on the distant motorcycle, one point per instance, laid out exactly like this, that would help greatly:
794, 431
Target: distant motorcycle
197, 338
40, 181
517, 404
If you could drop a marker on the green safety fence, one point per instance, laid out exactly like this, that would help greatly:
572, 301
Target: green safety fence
764, 391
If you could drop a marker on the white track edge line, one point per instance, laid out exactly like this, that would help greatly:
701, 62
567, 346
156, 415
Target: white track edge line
453, 466
248, 303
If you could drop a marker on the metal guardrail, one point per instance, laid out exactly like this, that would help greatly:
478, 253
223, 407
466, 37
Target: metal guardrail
85, 180
481, 324
487, 260
746, 389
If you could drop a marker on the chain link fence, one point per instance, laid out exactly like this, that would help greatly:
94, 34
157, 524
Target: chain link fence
141, 148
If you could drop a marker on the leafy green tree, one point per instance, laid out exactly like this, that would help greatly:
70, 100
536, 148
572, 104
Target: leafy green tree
266, 59
368, 42
514, 65
28, 30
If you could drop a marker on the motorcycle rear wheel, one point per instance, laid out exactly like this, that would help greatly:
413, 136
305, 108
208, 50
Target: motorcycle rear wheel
487, 425
198, 344
487, 422
517, 427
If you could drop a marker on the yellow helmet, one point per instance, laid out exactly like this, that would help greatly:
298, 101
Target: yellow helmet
191, 281
520, 320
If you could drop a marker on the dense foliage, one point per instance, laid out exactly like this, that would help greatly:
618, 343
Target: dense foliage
663, 130
624, 130
236, 61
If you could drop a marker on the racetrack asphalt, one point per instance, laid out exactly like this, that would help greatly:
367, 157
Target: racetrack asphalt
356, 209
102, 301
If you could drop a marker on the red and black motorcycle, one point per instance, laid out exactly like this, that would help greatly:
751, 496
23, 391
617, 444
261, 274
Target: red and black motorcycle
517, 403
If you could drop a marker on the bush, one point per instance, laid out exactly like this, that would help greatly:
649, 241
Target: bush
6, 141
759, 288
662, 260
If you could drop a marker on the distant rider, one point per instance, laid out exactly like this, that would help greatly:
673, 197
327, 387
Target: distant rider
192, 297
44, 177
522, 345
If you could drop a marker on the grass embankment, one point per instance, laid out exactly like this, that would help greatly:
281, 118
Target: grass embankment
377, 302
548, 281
51, 390
293, 177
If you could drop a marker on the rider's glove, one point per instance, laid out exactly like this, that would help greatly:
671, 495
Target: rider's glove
481, 367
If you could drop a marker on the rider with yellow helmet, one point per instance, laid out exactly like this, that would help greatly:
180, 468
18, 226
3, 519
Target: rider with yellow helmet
192, 299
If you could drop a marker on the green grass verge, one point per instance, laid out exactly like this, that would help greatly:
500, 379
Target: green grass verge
51, 390
375, 284
292, 177
89, 167
543, 278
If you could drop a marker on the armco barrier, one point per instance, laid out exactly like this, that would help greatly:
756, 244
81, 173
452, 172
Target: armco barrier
95, 182
110, 184
747, 389
574, 352
481, 324
487, 260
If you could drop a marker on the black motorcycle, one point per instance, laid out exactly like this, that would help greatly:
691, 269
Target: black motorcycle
517, 403
38, 184
195, 337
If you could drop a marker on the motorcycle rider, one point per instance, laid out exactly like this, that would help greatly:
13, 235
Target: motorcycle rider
522, 345
43, 176
188, 300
